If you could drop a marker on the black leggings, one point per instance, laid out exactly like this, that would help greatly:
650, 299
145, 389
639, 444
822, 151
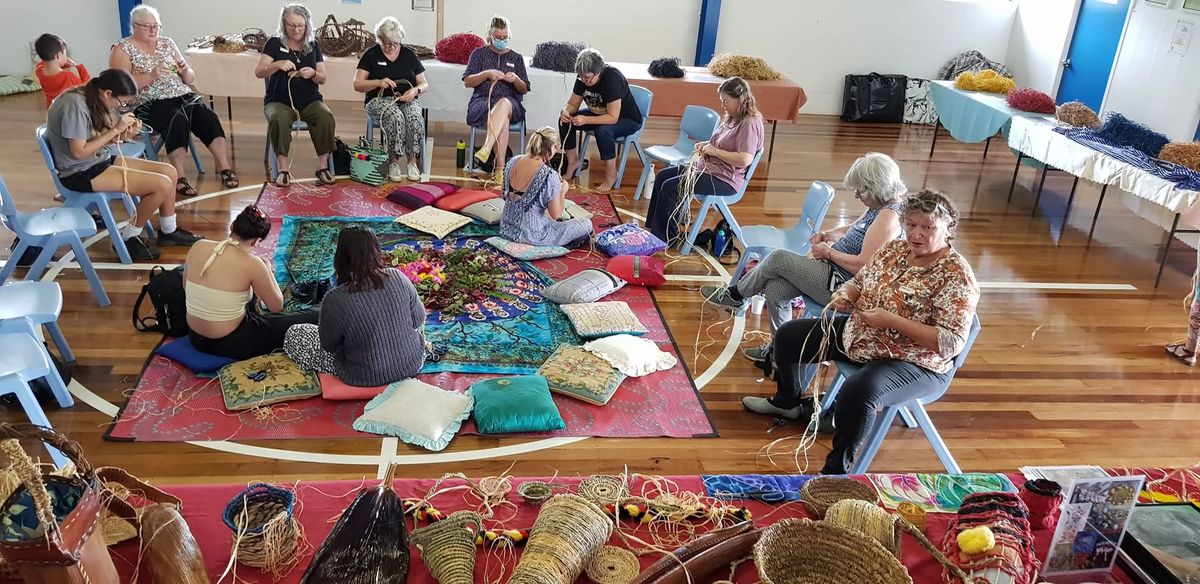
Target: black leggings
878, 384
662, 218
176, 117
258, 334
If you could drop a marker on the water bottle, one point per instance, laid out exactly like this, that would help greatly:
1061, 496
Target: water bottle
649, 188
720, 239
460, 154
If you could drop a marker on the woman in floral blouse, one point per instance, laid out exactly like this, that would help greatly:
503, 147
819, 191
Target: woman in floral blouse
911, 310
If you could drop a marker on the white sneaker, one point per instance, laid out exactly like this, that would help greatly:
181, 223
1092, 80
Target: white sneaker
395, 172
414, 173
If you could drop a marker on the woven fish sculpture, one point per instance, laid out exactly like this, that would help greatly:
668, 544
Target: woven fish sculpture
369, 544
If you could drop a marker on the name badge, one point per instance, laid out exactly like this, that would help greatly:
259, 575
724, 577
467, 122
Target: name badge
509, 65
381, 64
284, 50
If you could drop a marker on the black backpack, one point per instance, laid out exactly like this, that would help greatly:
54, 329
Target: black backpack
165, 289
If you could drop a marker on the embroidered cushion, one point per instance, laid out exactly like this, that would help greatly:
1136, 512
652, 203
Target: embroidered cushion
524, 251
573, 210
417, 413
601, 319
589, 285
433, 221
336, 389
183, 352
633, 356
515, 404
418, 195
628, 239
639, 270
462, 198
488, 211
265, 380
574, 372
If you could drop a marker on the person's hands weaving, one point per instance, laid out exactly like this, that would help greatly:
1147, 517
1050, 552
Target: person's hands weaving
306, 72
386, 83
822, 251
407, 96
285, 66
878, 317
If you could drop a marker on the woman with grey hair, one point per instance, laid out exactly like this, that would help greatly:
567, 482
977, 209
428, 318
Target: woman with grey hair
611, 113
168, 106
836, 256
294, 70
393, 78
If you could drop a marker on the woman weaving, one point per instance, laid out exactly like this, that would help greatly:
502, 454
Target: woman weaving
392, 77
535, 196
497, 75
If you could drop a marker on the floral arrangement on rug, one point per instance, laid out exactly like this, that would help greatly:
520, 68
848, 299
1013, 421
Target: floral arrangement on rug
457, 279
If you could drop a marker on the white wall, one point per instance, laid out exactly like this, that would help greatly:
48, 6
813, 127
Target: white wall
816, 43
1040, 38
1152, 85
90, 27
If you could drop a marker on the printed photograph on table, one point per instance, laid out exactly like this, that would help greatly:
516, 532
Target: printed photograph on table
1094, 517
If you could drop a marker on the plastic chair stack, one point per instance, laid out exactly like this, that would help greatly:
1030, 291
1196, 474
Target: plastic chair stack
697, 125
759, 240
644, 98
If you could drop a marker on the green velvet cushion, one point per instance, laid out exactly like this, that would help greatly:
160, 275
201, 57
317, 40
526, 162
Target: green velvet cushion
515, 404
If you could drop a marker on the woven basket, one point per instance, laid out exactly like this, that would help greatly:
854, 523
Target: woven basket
569, 530
802, 551
448, 547
822, 492
249, 513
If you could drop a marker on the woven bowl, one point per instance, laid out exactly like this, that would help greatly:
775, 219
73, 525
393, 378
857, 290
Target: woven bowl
802, 551
820, 493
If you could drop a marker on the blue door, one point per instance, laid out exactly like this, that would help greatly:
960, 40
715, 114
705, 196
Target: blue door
1093, 51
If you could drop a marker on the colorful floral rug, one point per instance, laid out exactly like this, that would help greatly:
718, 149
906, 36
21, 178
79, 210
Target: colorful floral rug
170, 403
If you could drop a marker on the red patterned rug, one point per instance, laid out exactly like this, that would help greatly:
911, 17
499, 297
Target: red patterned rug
172, 404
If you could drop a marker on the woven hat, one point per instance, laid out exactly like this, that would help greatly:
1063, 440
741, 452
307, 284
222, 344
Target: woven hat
820, 493
802, 551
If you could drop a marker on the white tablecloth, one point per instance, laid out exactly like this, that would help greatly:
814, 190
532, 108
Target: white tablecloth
232, 75
972, 116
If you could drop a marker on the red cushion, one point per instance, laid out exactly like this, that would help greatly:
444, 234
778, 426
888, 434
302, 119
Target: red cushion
464, 198
418, 195
640, 270
336, 389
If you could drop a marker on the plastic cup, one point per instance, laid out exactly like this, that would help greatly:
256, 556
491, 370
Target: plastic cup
756, 304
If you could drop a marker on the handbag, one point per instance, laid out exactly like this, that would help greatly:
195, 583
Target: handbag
368, 165
874, 98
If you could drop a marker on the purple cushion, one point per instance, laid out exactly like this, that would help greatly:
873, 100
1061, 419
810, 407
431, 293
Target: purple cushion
420, 195
628, 239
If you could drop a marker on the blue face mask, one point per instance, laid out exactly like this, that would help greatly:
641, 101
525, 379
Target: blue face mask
500, 44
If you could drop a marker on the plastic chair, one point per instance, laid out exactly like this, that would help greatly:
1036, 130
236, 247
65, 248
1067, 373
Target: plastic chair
269, 152
36, 304
759, 240
722, 205
48, 229
127, 149
85, 201
513, 128
643, 97
913, 411
22, 361
426, 161
697, 125
153, 145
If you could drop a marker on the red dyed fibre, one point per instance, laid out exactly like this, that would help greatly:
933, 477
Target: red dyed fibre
1028, 99
457, 48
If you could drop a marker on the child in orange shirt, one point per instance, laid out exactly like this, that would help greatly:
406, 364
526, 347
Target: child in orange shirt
56, 72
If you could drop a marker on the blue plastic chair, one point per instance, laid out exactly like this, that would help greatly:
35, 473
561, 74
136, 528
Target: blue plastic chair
25, 306
759, 240
722, 205
644, 98
22, 361
697, 125
152, 145
269, 152
373, 124
913, 411
48, 229
127, 149
513, 128
98, 201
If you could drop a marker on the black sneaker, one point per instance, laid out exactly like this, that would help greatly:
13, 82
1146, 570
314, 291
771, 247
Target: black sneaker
139, 251
180, 236
720, 296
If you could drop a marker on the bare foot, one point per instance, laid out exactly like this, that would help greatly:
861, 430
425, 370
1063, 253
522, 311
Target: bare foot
605, 187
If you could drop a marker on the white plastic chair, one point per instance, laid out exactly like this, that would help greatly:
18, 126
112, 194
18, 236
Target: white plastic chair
697, 125
22, 361
759, 240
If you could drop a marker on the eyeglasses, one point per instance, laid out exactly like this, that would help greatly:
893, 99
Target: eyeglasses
148, 26
391, 44
588, 77
295, 26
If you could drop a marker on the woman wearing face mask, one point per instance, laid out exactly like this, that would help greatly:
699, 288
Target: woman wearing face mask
611, 113
911, 309
497, 73
534, 198
723, 160
393, 78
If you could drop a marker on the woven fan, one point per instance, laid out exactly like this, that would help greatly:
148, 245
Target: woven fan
369, 544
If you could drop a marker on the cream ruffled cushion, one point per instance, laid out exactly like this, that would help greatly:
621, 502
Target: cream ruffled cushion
633, 356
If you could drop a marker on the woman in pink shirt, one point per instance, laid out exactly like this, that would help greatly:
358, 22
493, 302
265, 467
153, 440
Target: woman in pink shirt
722, 163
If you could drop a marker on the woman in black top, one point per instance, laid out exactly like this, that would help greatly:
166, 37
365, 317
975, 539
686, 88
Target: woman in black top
611, 113
393, 78
294, 70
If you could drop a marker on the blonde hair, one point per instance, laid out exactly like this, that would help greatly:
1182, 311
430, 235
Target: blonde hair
737, 88
389, 29
542, 143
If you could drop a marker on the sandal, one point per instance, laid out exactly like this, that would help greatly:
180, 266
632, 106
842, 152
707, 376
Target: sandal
1180, 352
228, 178
325, 177
185, 188
283, 180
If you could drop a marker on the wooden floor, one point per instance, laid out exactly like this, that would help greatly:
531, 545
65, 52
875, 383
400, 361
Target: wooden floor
1058, 376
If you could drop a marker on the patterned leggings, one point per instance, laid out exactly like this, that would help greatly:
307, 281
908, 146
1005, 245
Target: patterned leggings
1193, 326
402, 123
782, 276
303, 345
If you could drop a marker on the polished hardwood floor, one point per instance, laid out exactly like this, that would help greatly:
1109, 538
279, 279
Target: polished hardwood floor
1059, 376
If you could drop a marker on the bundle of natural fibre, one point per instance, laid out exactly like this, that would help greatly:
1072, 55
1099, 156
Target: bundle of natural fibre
666, 67
1182, 153
1011, 557
986, 80
369, 544
1074, 113
422, 51
457, 48
557, 55
744, 66
1028, 99
1123, 131
568, 532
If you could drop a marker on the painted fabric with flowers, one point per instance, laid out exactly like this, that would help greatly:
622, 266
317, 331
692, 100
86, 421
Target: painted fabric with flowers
483, 307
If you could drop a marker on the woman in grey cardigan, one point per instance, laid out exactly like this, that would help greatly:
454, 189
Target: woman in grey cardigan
372, 322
